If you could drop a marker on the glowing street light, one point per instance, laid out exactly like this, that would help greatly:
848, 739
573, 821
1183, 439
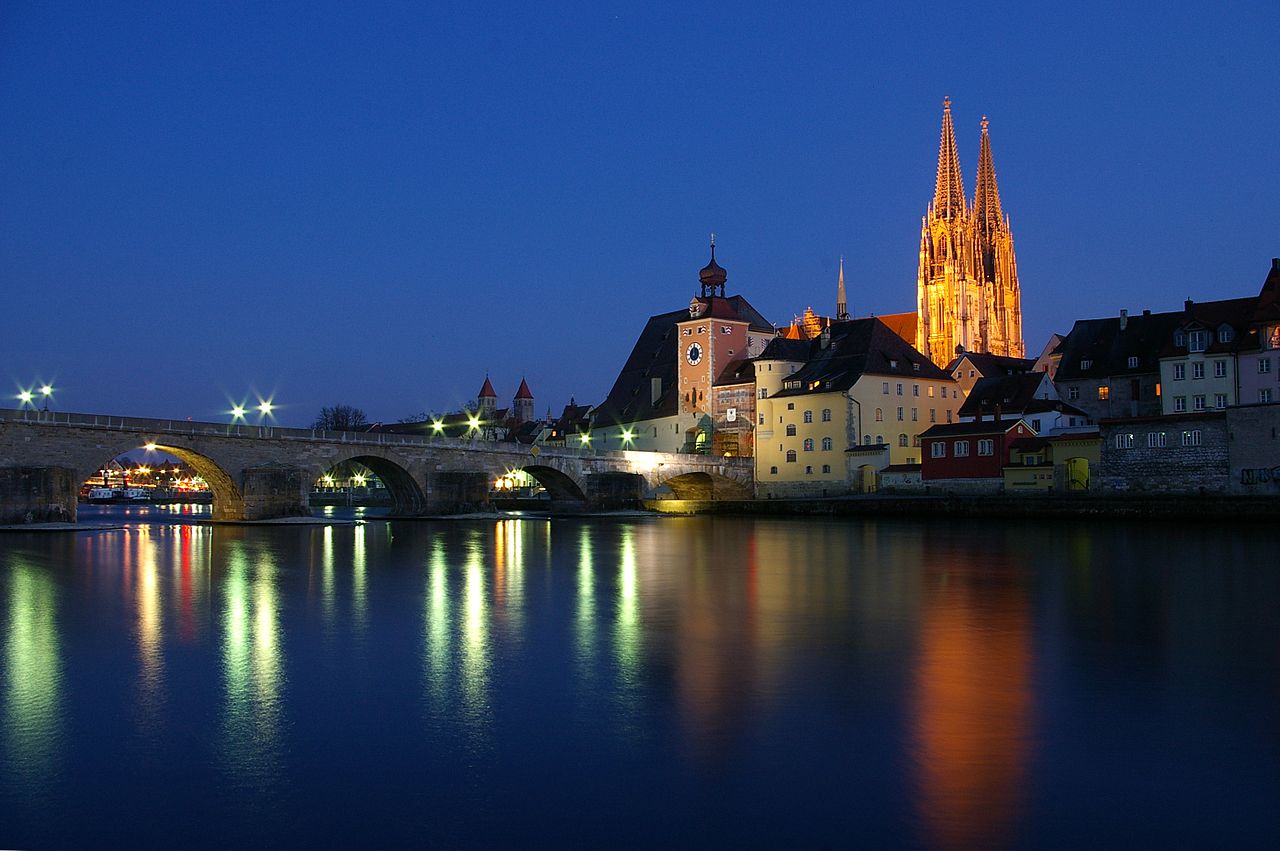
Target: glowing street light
25, 397
473, 422
150, 446
585, 438
437, 426
627, 436
237, 412
359, 479
265, 408
46, 390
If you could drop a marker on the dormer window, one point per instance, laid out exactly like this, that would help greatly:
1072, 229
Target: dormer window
915, 367
1086, 364
1133, 363
893, 364
1197, 341
1226, 334
1179, 339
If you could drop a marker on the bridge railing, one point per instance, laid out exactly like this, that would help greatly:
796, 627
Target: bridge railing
194, 428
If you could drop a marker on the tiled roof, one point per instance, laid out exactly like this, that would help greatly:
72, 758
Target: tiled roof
782, 348
1098, 348
653, 356
991, 366
487, 391
740, 371
523, 392
1210, 316
902, 324
977, 427
855, 348
1010, 393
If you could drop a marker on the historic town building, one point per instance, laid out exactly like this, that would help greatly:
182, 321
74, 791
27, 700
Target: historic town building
968, 295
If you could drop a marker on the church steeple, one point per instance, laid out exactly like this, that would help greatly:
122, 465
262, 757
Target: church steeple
842, 301
986, 199
948, 192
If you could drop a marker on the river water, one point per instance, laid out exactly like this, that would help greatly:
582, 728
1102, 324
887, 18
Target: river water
640, 681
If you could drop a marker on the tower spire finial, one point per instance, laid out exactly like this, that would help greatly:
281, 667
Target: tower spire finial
986, 194
842, 301
948, 192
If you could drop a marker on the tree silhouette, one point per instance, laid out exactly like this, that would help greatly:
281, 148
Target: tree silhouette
341, 418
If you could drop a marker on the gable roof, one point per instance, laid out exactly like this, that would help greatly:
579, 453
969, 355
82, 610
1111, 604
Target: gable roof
972, 428
853, 348
902, 324
653, 356
1099, 348
1007, 393
989, 365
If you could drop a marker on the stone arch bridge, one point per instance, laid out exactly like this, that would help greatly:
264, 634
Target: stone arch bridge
258, 472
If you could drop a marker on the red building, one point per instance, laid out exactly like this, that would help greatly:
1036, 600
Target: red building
975, 452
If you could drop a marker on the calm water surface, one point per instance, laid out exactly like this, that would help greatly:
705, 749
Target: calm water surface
640, 681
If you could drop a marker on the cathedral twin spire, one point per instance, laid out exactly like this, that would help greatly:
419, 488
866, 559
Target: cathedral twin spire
968, 281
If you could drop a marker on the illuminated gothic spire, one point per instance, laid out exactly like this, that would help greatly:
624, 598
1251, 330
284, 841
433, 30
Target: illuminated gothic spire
986, 199
948, 193
842, 302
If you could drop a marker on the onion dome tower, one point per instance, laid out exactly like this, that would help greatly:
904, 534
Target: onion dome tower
713, 275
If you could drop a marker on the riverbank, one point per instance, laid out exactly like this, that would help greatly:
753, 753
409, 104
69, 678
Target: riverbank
1153, 507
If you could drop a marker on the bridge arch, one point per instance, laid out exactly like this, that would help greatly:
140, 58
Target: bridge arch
228, 500
560, 486
706, 486
407, 495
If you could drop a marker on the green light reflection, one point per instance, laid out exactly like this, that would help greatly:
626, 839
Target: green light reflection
436, 626
585, 622
33, 678
626, 634
475, 635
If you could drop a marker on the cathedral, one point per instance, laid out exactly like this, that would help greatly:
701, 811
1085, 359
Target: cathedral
967, 293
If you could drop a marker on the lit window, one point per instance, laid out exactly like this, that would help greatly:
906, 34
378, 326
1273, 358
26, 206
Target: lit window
938, 449
962, 449
1104, 392
931, 391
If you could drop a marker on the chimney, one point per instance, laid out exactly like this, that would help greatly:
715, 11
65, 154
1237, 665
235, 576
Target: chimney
1124, 319
1275, 264
1187, 305
1146, 312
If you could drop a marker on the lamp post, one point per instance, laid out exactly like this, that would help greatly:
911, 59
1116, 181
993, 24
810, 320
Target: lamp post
46, 391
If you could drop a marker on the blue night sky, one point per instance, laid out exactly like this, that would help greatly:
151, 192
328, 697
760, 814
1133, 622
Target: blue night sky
376, 206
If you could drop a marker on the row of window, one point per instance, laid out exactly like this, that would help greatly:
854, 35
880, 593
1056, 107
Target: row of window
915, 415
915, 390
1157, 439
791, 457
808, 441
960, 448
1197, 370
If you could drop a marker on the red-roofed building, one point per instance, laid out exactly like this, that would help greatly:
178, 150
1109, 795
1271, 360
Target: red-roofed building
969, 456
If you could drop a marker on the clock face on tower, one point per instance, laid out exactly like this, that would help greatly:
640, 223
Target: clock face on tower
693, 354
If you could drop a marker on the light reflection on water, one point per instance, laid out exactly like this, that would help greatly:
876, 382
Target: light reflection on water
757, 681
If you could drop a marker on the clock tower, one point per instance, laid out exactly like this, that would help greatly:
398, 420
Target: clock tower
714, 335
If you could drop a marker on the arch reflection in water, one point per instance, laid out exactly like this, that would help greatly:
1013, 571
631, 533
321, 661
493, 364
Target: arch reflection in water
972, 700
33, 679
252, 669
